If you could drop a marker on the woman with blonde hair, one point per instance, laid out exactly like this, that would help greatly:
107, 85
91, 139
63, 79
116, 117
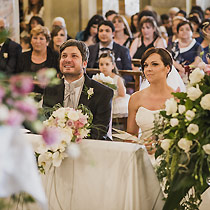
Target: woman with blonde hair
40, 56
149, 37
122, 34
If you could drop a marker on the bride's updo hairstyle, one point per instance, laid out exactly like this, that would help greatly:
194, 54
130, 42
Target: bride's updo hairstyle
164, 55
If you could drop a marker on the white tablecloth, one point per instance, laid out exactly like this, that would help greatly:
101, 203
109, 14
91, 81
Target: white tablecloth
107, 176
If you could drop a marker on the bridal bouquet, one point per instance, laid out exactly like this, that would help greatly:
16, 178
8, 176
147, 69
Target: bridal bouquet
106, 80
68, 125
183, 149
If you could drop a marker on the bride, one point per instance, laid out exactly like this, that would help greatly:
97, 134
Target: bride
143, 105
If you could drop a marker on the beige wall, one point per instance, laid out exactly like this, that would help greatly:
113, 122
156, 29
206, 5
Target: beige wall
70, 10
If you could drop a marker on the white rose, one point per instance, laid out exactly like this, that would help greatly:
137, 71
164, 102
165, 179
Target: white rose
206, 148
185, 144
60, 113
190, 115
181, 109
196, 76
84, 132
193, 128
205, 102
165, 144
174, 122
90, 91
74, 115
194, 93
171, 106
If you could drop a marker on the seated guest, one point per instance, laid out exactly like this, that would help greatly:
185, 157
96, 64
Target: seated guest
40, 56
195, 22
10, 52
149, 37
89, 34
134, 25
74, 86
59, 21
25, 43
185, 50
122, 34
34, 21
171, 39
58, 37
181, 13
204, 39
120, 101
109, 15
207, 13
106, 43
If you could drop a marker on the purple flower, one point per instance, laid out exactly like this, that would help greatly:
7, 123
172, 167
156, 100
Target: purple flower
50, 135
15, 118
44, 76
21, 84
28, 109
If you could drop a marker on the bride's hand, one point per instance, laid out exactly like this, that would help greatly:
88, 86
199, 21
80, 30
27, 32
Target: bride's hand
150, 145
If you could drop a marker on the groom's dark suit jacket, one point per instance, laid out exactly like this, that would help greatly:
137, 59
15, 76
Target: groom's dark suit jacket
100, 104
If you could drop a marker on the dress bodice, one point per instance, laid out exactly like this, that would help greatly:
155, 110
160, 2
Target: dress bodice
144, 119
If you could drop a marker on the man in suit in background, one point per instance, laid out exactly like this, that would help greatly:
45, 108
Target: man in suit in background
74, 87
121, 53
10, 52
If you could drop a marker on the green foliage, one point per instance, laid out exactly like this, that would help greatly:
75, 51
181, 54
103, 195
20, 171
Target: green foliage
184, 172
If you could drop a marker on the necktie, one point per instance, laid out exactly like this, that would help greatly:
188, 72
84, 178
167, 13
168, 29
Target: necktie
70, 97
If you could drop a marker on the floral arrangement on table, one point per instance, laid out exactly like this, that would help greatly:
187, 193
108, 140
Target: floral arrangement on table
183, 150
106, 80
67, 125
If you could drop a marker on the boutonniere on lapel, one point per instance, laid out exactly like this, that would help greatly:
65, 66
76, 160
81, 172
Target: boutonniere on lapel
5, 55
88, 91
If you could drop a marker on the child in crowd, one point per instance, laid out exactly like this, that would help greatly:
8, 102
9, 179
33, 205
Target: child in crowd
108, 67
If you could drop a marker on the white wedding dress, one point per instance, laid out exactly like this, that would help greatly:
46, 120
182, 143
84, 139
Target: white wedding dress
144, 119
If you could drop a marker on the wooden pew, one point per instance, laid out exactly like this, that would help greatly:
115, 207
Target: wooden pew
136, 62
135, 73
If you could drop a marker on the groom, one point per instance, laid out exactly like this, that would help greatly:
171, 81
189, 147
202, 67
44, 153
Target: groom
77, 88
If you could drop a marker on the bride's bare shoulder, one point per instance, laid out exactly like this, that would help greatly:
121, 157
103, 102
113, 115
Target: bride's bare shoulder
136, 98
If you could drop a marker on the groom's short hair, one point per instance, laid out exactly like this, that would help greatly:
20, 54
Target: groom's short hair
164, 55
82, 47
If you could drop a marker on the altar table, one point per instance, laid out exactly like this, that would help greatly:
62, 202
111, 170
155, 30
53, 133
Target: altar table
107, 176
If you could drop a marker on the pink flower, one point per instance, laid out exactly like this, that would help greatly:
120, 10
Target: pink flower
69, 123
78, 124
42, 77
28, 109
76, 132
15, 118
21, 84
78, 140
45, 75
50, 135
